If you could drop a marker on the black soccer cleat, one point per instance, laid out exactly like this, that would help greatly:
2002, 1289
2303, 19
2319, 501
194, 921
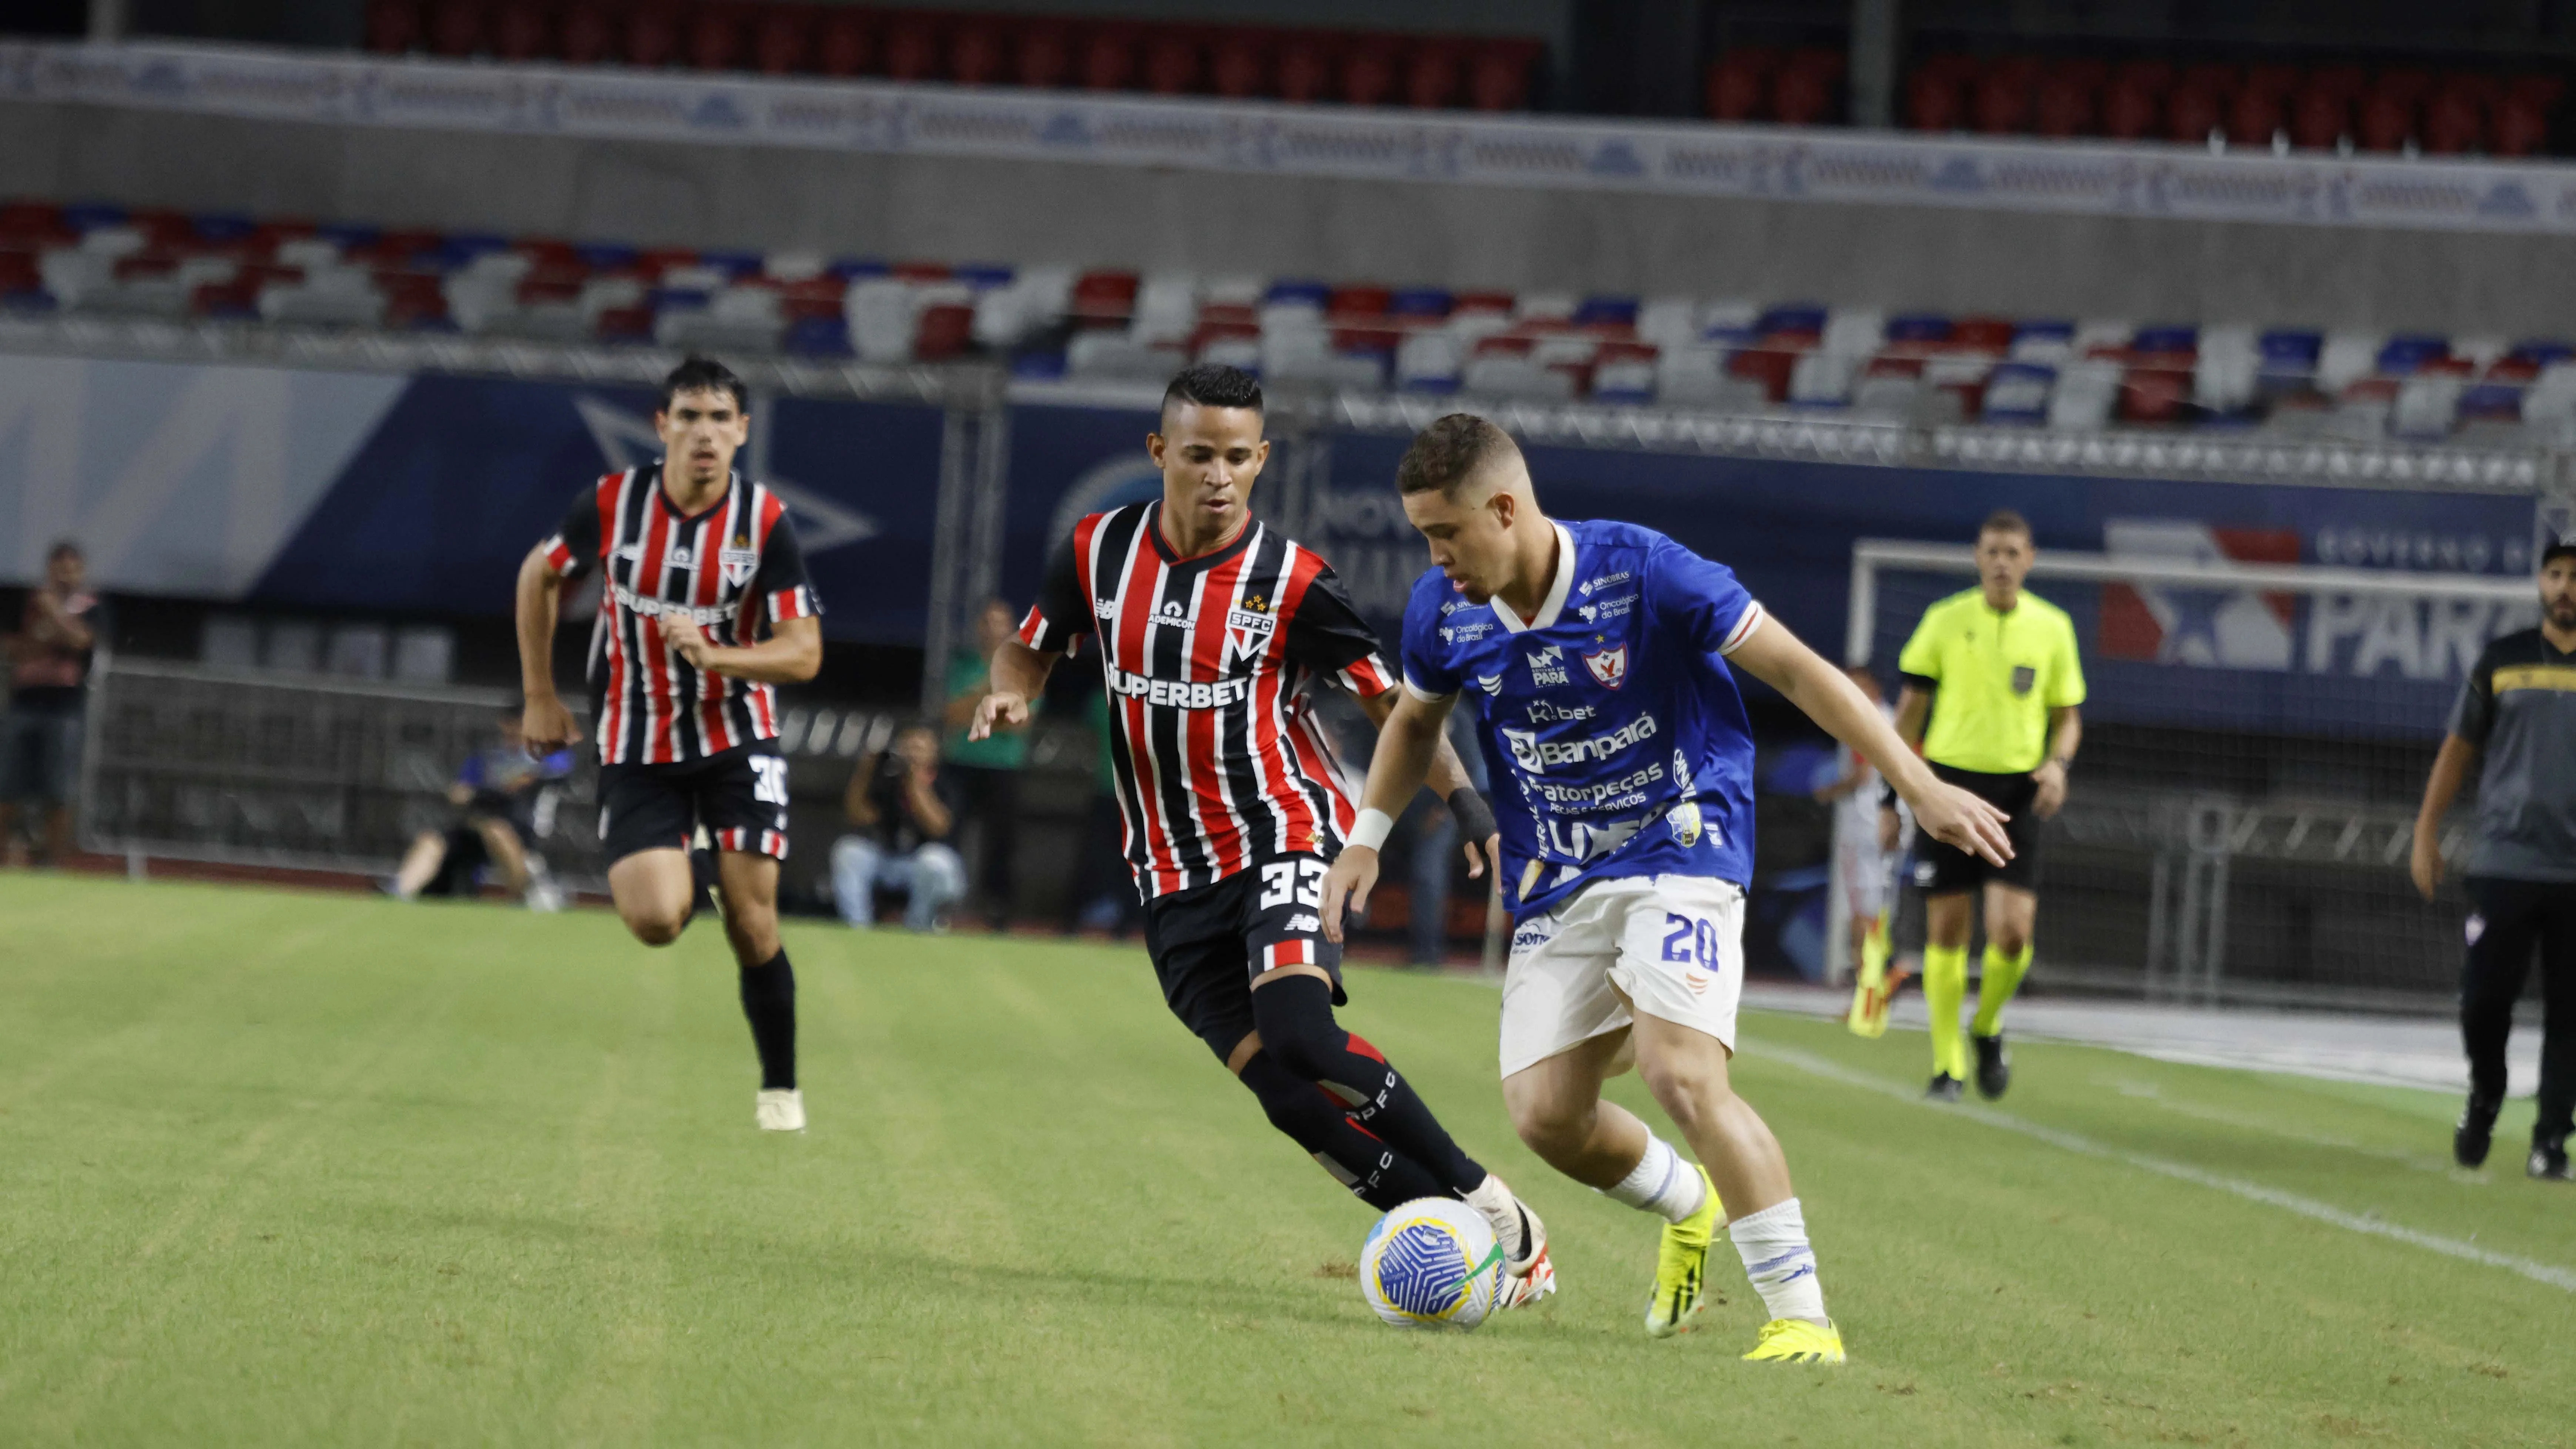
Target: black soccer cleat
2549, 1162
1994, 1069
2476, 1132
1945, 1088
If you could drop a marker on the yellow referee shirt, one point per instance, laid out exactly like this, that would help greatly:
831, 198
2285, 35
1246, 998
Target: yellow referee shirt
1998, 676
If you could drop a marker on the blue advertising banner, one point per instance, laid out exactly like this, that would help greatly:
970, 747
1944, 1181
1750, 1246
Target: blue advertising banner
437, 507
1067, 462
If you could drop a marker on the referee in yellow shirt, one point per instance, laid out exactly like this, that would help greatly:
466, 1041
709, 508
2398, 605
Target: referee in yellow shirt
1995, 671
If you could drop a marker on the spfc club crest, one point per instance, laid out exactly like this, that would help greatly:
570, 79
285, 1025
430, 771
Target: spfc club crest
738, 562
1609, 666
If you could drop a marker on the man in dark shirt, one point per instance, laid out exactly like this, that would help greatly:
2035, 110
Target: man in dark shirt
905, 808
40, 742
2516, 715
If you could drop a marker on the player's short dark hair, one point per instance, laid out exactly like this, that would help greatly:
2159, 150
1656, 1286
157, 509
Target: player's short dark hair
1214, 385
1449, 451
2004, 520
64, 548
704, 374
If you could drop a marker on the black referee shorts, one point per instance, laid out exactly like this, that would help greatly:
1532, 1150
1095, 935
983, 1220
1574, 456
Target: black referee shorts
1941, 869
739, 795
1208, 943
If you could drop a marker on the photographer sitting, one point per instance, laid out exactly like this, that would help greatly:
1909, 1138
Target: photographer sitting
904, 811
503, 800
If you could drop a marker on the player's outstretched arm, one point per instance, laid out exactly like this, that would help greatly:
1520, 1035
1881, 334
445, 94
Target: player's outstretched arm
1018, 674
546, 724
1448, 779
1780, 659
1408, 739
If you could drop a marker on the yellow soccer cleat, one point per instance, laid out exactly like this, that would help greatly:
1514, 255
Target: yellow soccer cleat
1681, 1266
1795, 1340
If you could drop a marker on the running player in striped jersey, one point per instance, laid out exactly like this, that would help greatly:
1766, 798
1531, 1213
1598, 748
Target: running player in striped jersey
1212, 629
705, 610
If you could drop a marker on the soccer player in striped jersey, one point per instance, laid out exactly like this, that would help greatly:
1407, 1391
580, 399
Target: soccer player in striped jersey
704, 612
1597, 656
1212, 629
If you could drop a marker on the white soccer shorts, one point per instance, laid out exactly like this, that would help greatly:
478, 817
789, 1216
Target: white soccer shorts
1671, 944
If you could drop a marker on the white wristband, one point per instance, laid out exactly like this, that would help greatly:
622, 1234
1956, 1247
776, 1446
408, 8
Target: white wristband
1371, 831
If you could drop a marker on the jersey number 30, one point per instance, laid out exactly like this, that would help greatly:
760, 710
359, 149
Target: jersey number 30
769, 779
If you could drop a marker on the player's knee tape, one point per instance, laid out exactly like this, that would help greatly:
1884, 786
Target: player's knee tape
1295, 1018
1374, 1172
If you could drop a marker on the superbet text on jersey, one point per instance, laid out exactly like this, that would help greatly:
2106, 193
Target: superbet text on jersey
1611, 712
1207, 663
733, 569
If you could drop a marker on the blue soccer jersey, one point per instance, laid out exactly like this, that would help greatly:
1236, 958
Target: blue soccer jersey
1611, 713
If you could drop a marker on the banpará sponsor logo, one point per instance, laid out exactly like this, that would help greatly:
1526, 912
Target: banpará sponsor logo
1536, 755
1180, 693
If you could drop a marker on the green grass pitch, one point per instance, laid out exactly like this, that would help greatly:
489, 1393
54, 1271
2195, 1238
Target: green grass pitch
282, 1168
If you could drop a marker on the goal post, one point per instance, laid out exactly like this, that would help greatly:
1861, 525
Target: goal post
2256, 738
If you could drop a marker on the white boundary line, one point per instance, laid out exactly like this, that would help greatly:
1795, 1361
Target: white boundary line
2306, 1207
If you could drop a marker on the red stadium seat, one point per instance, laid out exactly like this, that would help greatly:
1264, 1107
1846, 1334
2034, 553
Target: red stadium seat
1104, 298
2254, 116
1769, 366
2387, 120
456, 28
1982, 334
1369, 70
2217, 77
1739, 84
1932, 101
782, 42
1239, 62
652, 35
1362, 300
1108, 59
588, 32
715, 37
977, 52
1174, 60
2455, 122
945, 332
845, 44
2320, 116
911, 44
1433, 75
2347, 81
918, 271
2000, 104
2407, 83
522, 30
1498, 78
2192, 112
1044, 56
1803, 93
2521, 126
1306, 65
2131, 107
2065, 106
2272, 79
393, 27
2154, 394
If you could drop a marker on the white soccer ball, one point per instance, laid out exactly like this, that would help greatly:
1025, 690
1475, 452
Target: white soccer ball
1432, 1263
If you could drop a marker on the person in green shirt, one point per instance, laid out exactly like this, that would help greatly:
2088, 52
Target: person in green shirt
987, 771
1992, 681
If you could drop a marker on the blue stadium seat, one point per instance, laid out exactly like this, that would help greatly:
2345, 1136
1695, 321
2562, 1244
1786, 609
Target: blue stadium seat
605, 256
851, 269
459, 249
1606, 312
2409, 351
737, 264
344, 235
86, 216
981, 275
1292, 292
1791, 319
2044, 329
2017, 393
2165, 339
1424, 304
2541, 352
220, 227
1918, 327
1038, 366
818, 337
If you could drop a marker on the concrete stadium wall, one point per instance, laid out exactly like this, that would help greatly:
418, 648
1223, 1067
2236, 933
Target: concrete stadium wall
1026, 212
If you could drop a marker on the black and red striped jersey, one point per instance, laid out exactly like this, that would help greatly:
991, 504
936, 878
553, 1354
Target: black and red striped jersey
1209, 663
733, 569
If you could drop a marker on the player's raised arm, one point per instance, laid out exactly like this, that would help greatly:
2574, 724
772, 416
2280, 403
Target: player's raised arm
1780, 659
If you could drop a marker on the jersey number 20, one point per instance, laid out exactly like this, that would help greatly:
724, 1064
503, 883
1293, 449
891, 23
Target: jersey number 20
1693, 943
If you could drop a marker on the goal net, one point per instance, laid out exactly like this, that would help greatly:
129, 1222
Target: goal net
2255, 742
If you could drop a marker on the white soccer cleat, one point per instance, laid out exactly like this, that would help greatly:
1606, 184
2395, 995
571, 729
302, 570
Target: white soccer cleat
1529, 1287
779, 1109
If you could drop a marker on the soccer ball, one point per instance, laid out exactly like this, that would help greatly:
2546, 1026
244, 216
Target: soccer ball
1432, 1263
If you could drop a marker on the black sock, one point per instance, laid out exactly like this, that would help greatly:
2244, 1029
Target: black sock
702, 885
1294, 1015
769, 1004
1314, 1119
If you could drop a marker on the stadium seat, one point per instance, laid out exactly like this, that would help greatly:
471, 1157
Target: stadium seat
845, 43
1932, 100
1822, 379
2133, 102
715, 37
1369, 68
2320, 116
2065, 105
782, 40
978, 52
2454, 124
1738, 84
1984, 336
2192, 112
1104, 299
945, 332
1624, 373
652, 34
2256, 116
2386, 121
1999, 103
1498, 77
2409, 353
2520, 126
1043, 57
911, 49
1174, 62
2154, 394
1239, 63
1108, 59
587, 32
1433, 75
2017, 393
393, 27
456, 28
1307, 64
523, 30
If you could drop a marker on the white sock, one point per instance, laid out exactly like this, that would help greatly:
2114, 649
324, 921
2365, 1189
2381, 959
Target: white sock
1502, 1210
1661, 1183
1773, 1244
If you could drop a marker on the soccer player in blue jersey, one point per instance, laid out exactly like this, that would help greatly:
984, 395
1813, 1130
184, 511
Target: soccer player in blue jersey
1596, 658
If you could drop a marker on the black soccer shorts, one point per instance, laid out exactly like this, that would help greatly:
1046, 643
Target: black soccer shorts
1208, 943
739, 795
1942, 870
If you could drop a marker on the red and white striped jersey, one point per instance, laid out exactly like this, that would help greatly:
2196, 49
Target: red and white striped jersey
733, 569
1208, 663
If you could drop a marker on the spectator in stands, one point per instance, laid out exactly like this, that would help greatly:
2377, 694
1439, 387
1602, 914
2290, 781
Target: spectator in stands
1104, 886
505, 803
905, 808
40, 738
2515, 723
986, 772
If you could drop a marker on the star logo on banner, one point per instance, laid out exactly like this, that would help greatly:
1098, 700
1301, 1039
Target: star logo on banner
628, 441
